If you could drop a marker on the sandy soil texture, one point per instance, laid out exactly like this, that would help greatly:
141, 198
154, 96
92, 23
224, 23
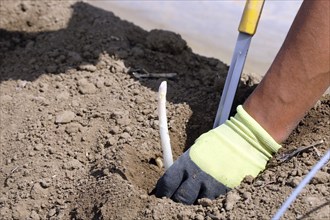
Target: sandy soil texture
79, 133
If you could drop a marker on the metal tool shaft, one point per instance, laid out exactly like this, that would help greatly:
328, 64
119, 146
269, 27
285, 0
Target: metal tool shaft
247, 28
233, 78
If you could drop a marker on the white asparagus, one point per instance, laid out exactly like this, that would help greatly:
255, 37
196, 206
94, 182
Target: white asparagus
163, 129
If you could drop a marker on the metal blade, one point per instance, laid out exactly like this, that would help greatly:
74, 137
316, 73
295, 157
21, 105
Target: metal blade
232, 79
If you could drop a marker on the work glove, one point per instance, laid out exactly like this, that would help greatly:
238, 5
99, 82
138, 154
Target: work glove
218, 160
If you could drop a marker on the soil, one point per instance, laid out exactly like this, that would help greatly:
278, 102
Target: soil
79, 133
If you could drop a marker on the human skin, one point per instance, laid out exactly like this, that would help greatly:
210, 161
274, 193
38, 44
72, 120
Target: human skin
299, 75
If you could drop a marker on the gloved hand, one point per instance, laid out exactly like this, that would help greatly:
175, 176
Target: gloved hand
218, 161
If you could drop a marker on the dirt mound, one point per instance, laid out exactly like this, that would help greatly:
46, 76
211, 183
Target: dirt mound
79, 133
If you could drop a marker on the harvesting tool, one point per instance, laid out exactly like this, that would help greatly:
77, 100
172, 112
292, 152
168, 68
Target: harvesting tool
247, 29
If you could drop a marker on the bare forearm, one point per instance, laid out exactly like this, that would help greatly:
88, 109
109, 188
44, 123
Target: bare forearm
298, 76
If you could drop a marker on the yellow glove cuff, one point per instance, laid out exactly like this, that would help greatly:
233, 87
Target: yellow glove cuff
253, 132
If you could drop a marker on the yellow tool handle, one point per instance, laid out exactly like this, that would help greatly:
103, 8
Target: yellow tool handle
251, 15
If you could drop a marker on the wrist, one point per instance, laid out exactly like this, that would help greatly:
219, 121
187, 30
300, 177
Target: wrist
269, 118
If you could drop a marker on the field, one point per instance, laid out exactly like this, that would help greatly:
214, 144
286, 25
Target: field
79, 132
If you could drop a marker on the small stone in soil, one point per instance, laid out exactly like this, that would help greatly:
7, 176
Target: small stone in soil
248, 179
159, 162
45, 183
63, 96
321, 177
295, 181
231, 199
88, 67
246, 195
64, 117
52, 212
34, 215
205, 202
143, 196
38, 147
73, 128
86, 87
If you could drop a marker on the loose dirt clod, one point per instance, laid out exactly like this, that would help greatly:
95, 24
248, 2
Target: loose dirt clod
231, 200
81, 130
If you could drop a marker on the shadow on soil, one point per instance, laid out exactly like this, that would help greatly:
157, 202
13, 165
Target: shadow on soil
199, 81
